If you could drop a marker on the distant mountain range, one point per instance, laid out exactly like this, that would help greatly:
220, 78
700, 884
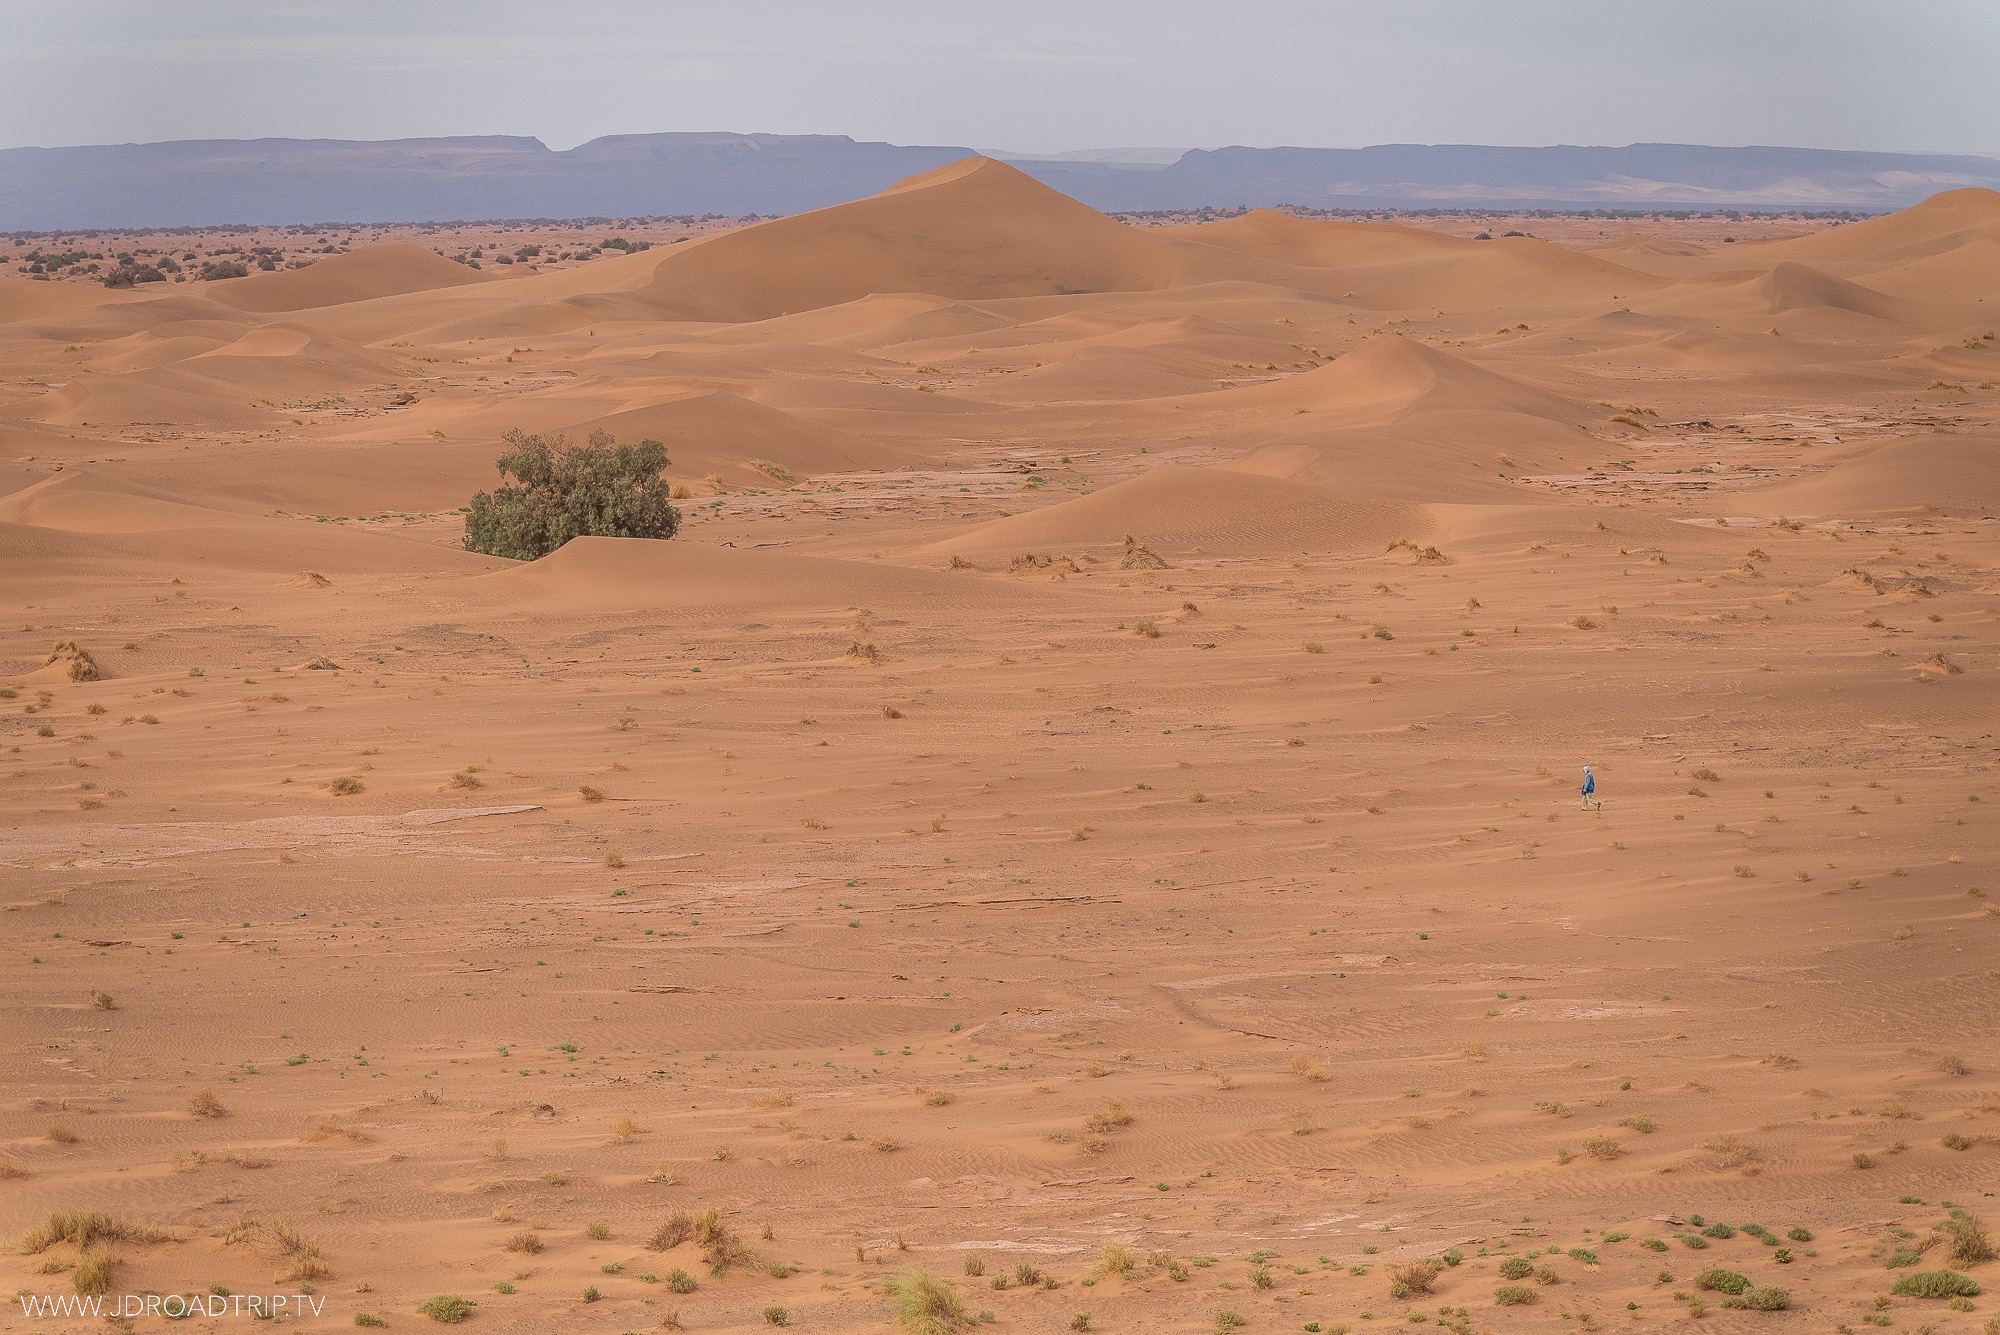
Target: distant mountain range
219, 181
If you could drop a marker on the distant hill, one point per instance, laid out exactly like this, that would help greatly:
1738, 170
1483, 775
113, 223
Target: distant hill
1407, 176
210, 182
205, 182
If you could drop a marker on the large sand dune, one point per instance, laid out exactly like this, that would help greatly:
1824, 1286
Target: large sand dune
1096, 769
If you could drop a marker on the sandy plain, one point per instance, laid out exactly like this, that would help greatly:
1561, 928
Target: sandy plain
1098, 768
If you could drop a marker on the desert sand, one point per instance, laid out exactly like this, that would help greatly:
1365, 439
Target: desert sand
1097, 770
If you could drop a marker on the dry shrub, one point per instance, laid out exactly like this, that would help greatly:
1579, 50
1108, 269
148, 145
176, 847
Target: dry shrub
1412, 1279
203, 1103
1732, 1152
886, 1144
11, 1171
82, 667
1474, 1051
590, 794
1305, 1066
624, 1129
525, 1243
1602, 1147
61, 1134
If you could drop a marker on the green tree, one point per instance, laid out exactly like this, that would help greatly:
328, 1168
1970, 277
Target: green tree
596, 490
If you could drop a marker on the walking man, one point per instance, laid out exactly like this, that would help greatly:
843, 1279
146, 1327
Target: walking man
1590, 789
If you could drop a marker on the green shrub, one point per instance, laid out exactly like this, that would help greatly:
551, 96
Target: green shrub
600, 489
1583, 1255
680, 1281
1514, 1295
368, 1319
1693, 1240
1727, 1281
1799, 1234
1516, 1267
1761, 1298
777, 1316
1718, 1231
1935, 1284
1902, 1258
446, 1307
1227, 1320
1652, 1244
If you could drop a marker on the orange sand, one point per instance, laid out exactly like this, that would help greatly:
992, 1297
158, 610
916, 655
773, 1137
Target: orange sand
860, 863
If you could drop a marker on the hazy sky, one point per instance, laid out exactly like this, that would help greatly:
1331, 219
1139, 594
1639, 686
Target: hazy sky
1038, 75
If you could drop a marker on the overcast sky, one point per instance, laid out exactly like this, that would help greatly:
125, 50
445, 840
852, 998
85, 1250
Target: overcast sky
1036, 75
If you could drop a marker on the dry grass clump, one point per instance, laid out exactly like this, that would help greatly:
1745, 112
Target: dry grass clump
1307, 1068
1602, 1147
865, 651
885, 1144
1970, 1243
675, 1229
1115, 1115
719, 1243
624, 1129
525, 1243
927, 1305
83, 1229
302, 1260
323, 1131
590, 794
1115, 1259
203, 1103
93, 1269
61, 1134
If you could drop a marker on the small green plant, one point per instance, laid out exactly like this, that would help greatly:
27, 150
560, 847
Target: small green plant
1761, 1298
1514, 1295
680, 1281
1652, 1244
446, 1307
1724, 1281
1935, 1284
1227, 1320
368, 1319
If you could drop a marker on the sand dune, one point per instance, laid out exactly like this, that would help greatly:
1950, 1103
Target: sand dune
1097, 767
377, 271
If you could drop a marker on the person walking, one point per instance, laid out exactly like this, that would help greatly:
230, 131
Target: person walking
1590, 789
